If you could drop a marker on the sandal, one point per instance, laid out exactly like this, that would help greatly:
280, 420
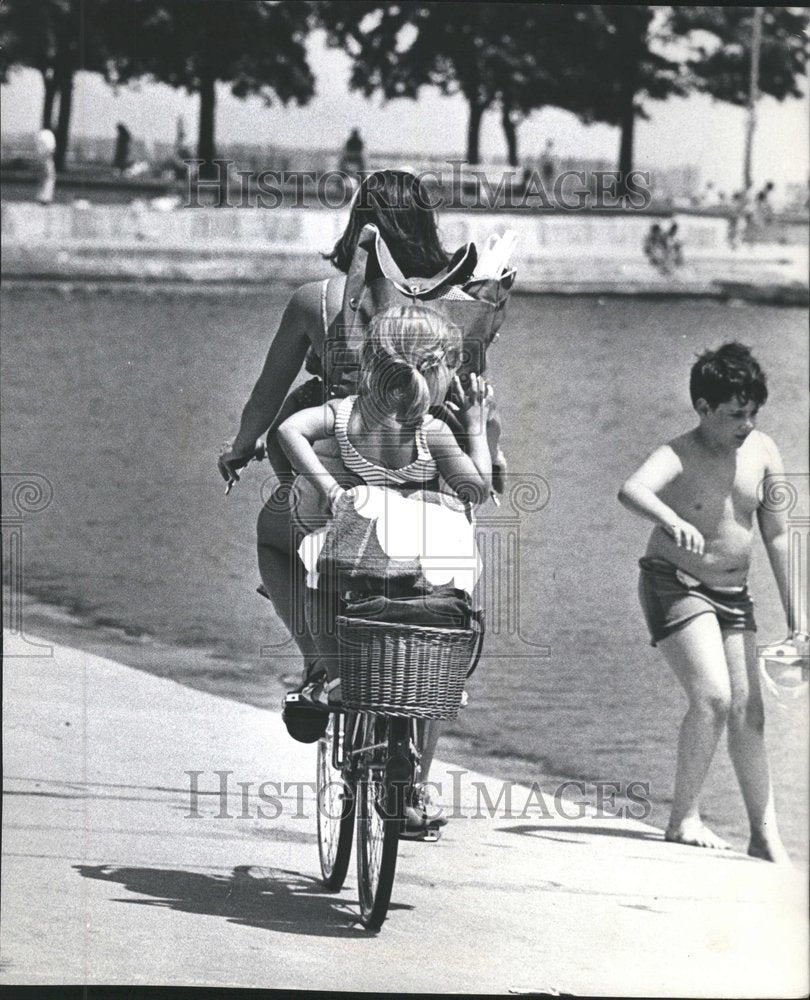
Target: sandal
423, 820
322, 694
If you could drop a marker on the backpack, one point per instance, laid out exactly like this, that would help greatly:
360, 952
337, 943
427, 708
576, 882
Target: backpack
374, 283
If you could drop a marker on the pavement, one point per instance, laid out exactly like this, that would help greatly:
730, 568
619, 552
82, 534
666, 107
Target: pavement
115, 872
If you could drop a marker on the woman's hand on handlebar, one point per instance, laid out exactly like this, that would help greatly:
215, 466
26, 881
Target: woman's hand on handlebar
231, 459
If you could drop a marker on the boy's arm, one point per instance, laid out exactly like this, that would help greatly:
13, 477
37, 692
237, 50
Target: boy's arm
774, 530
640, 492
297, 435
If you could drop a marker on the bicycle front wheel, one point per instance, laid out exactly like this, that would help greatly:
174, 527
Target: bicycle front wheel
336, 806
380, 812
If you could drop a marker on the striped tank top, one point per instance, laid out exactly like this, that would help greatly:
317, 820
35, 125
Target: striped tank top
420, 472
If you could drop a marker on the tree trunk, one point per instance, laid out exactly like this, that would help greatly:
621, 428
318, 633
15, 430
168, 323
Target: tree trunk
65, 85
47, 105
510, 131
474, 131
627, 123
206, 150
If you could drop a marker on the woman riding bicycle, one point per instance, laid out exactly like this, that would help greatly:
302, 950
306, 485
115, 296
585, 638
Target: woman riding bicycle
397, 204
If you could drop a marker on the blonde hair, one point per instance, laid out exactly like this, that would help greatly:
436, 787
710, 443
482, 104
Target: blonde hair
406, 349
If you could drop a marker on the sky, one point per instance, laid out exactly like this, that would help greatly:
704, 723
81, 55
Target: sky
693, 130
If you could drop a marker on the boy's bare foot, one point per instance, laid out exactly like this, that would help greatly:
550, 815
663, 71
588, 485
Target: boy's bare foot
768, 848
695, 833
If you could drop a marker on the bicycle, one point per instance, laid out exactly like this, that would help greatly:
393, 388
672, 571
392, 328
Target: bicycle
393, 678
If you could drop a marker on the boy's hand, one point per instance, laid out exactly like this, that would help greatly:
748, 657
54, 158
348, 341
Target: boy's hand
686, 536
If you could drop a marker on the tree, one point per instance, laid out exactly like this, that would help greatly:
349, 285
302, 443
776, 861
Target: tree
541, 62
720, 61
258, 47
741, 52
624, 65
58, 38
598, 62
634, 48
397, 48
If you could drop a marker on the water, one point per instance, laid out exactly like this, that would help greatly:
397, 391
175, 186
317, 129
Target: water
122, 399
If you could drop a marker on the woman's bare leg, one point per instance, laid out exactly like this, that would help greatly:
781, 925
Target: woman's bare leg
283, 576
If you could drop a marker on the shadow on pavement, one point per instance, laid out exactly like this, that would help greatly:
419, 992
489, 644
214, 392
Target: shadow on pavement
271, 898
538, 829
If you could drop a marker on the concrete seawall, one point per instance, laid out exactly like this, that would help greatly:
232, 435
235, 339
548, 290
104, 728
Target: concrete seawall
576, 253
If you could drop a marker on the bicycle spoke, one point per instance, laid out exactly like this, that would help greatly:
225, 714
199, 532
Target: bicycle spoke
336, 807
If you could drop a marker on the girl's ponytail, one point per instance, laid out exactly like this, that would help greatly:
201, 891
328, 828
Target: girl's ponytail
415, 398
405, 350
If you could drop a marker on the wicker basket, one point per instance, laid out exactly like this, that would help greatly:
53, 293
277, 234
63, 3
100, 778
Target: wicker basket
394, 669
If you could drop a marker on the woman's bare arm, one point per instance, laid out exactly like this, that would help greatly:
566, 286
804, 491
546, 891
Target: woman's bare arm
283, 363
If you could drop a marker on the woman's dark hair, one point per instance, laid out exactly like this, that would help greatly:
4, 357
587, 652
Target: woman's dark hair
396, 202
731, 370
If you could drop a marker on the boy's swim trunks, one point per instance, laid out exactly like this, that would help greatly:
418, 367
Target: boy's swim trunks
670, 598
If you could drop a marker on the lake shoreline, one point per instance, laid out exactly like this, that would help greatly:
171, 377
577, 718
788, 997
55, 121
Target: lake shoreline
206, 669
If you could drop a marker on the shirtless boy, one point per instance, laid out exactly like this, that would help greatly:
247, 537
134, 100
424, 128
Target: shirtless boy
702, 492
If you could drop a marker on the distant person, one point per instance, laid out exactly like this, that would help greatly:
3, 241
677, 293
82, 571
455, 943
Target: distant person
741, 218
763, 207
701, 491
548, 165
123, 141
674, 247
179, 134
663, 248
46, 168
654, 244
352, 161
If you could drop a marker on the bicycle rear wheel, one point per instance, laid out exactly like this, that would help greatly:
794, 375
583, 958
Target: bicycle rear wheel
384, 774
335, 804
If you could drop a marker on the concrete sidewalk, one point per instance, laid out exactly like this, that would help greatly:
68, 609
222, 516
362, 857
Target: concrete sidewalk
107, 878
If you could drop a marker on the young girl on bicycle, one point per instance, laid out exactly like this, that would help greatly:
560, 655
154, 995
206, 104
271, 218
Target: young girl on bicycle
388, 440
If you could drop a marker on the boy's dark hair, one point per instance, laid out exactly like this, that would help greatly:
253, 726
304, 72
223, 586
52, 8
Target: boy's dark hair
731, 370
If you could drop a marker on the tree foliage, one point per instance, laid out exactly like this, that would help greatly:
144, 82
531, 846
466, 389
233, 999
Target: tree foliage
720, 62
58, 38
626, 64
599, 62
397, 48
256, 46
